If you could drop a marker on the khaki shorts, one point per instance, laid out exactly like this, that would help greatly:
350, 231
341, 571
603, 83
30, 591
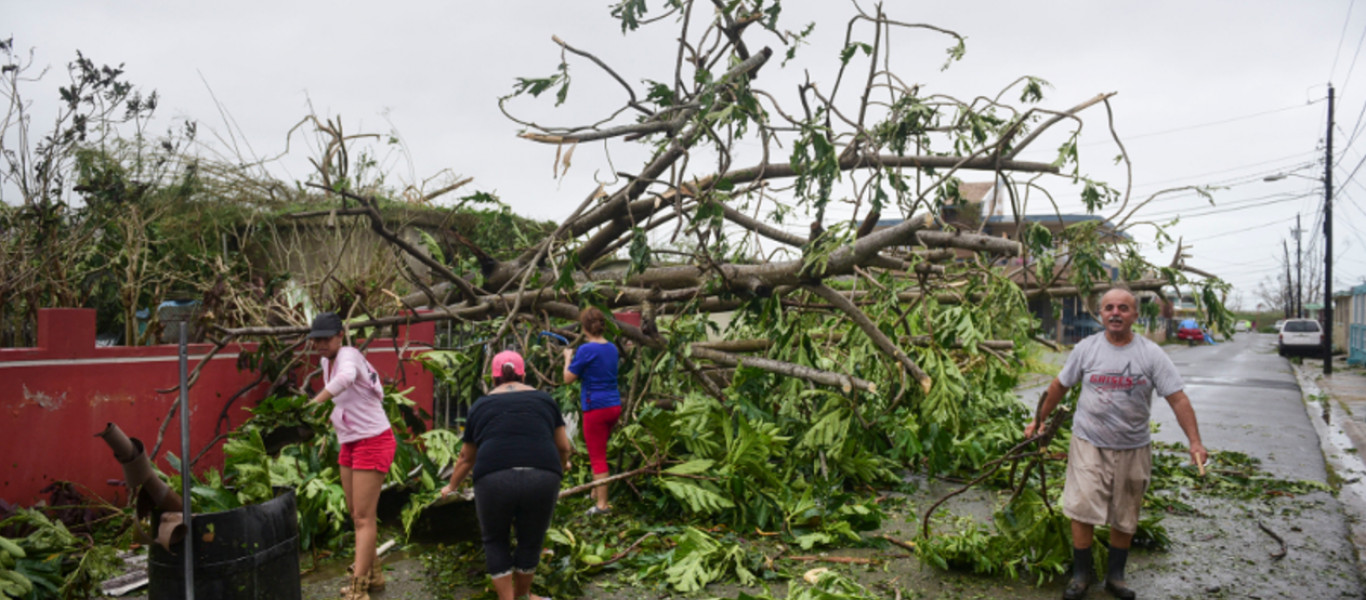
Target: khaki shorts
1106, 486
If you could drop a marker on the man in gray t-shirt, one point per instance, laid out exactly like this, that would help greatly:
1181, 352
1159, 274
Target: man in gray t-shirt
1110, 460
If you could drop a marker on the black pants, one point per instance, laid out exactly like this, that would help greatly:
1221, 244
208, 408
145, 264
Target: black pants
520, 498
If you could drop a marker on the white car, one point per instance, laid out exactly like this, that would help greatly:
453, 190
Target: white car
1300, 336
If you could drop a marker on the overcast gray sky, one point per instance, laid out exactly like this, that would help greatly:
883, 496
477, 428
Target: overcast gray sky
1211, 92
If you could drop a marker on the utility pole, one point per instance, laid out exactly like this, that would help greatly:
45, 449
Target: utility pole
1328, 242
1299, 273
1289, 283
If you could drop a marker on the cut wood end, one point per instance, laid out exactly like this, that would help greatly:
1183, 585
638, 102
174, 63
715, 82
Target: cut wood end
872, 388
814, 575
926, 383
541, 137
557, 40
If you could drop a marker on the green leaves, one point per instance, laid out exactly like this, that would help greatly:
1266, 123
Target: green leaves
639, 252
442, 446
1033, 89
50, 561
698, 559
1067, 153
816, 162
829, 430
433, 248
699, 498
955, 53
565, 280
1096, 195
538, 85
848, 51
660, 94
692, 467
630, 13
246, 461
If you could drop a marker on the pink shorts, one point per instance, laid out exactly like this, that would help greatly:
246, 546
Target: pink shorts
370, 454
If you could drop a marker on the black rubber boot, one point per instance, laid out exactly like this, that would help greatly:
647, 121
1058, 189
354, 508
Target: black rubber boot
1082, 574
1114, 577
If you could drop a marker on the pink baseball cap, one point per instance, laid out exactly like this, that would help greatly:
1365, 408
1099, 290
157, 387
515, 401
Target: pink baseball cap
508, 357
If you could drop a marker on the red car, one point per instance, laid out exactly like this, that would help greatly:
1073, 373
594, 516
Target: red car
1190, 331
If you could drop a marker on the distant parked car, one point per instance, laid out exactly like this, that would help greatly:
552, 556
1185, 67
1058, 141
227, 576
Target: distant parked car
1081, 328
1300, 336
1243, 325
1190, 331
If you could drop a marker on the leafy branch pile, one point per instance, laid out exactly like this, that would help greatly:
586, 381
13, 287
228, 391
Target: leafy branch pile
46, 560
855, 348
251, 474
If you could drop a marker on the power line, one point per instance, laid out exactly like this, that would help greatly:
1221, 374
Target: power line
1341, 38
1231, 207
1225, 184
1350, 176
1354, 59
1353, 228
1244, 230
1294, 167
1235, 264
1356, 129
1207, 124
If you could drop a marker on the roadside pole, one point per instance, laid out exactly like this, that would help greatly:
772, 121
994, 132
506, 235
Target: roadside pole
185, 475
1328, 242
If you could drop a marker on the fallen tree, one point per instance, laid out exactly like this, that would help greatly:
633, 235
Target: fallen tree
852, 349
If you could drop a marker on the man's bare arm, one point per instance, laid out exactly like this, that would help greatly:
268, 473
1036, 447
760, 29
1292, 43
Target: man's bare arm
1185, 417
1050, 401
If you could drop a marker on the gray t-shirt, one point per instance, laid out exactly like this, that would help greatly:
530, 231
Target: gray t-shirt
1117, 385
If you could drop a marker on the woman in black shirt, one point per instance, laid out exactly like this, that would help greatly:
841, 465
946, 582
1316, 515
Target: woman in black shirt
515, 450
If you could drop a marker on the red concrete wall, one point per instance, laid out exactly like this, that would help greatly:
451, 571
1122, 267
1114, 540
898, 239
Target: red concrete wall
54, 398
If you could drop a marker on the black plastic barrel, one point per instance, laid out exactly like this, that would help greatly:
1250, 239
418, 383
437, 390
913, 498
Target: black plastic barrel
248, 553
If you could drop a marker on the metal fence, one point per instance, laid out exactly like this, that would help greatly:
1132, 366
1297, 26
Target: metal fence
453, 396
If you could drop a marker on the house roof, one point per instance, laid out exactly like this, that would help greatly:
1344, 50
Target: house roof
975, 192
1043, 218
1067, 219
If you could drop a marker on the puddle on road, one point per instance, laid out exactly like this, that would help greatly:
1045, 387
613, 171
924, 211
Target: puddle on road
1277, 384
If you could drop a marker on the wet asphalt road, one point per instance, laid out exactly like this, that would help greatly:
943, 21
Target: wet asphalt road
1246, 399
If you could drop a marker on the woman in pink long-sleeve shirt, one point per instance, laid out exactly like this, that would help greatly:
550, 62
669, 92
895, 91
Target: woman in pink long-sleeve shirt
367, 442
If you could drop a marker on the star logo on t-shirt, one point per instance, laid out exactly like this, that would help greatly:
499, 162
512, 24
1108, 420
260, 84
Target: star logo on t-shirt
1122, 382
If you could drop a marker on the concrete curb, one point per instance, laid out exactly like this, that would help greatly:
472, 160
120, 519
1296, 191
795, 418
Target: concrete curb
1341, 437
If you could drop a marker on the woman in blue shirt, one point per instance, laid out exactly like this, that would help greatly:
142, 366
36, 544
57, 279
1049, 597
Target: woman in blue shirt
595, 364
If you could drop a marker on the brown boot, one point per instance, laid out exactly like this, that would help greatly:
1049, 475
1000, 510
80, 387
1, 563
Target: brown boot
376, 578
358, 588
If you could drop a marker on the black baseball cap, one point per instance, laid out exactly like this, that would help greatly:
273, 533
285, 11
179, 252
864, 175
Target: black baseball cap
326, 325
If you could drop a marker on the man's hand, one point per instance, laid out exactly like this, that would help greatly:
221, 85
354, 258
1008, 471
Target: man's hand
448, 489
1032, 428
568, 355
1199, 455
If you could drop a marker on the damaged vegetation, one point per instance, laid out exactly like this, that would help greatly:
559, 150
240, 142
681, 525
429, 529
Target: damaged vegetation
854, 358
